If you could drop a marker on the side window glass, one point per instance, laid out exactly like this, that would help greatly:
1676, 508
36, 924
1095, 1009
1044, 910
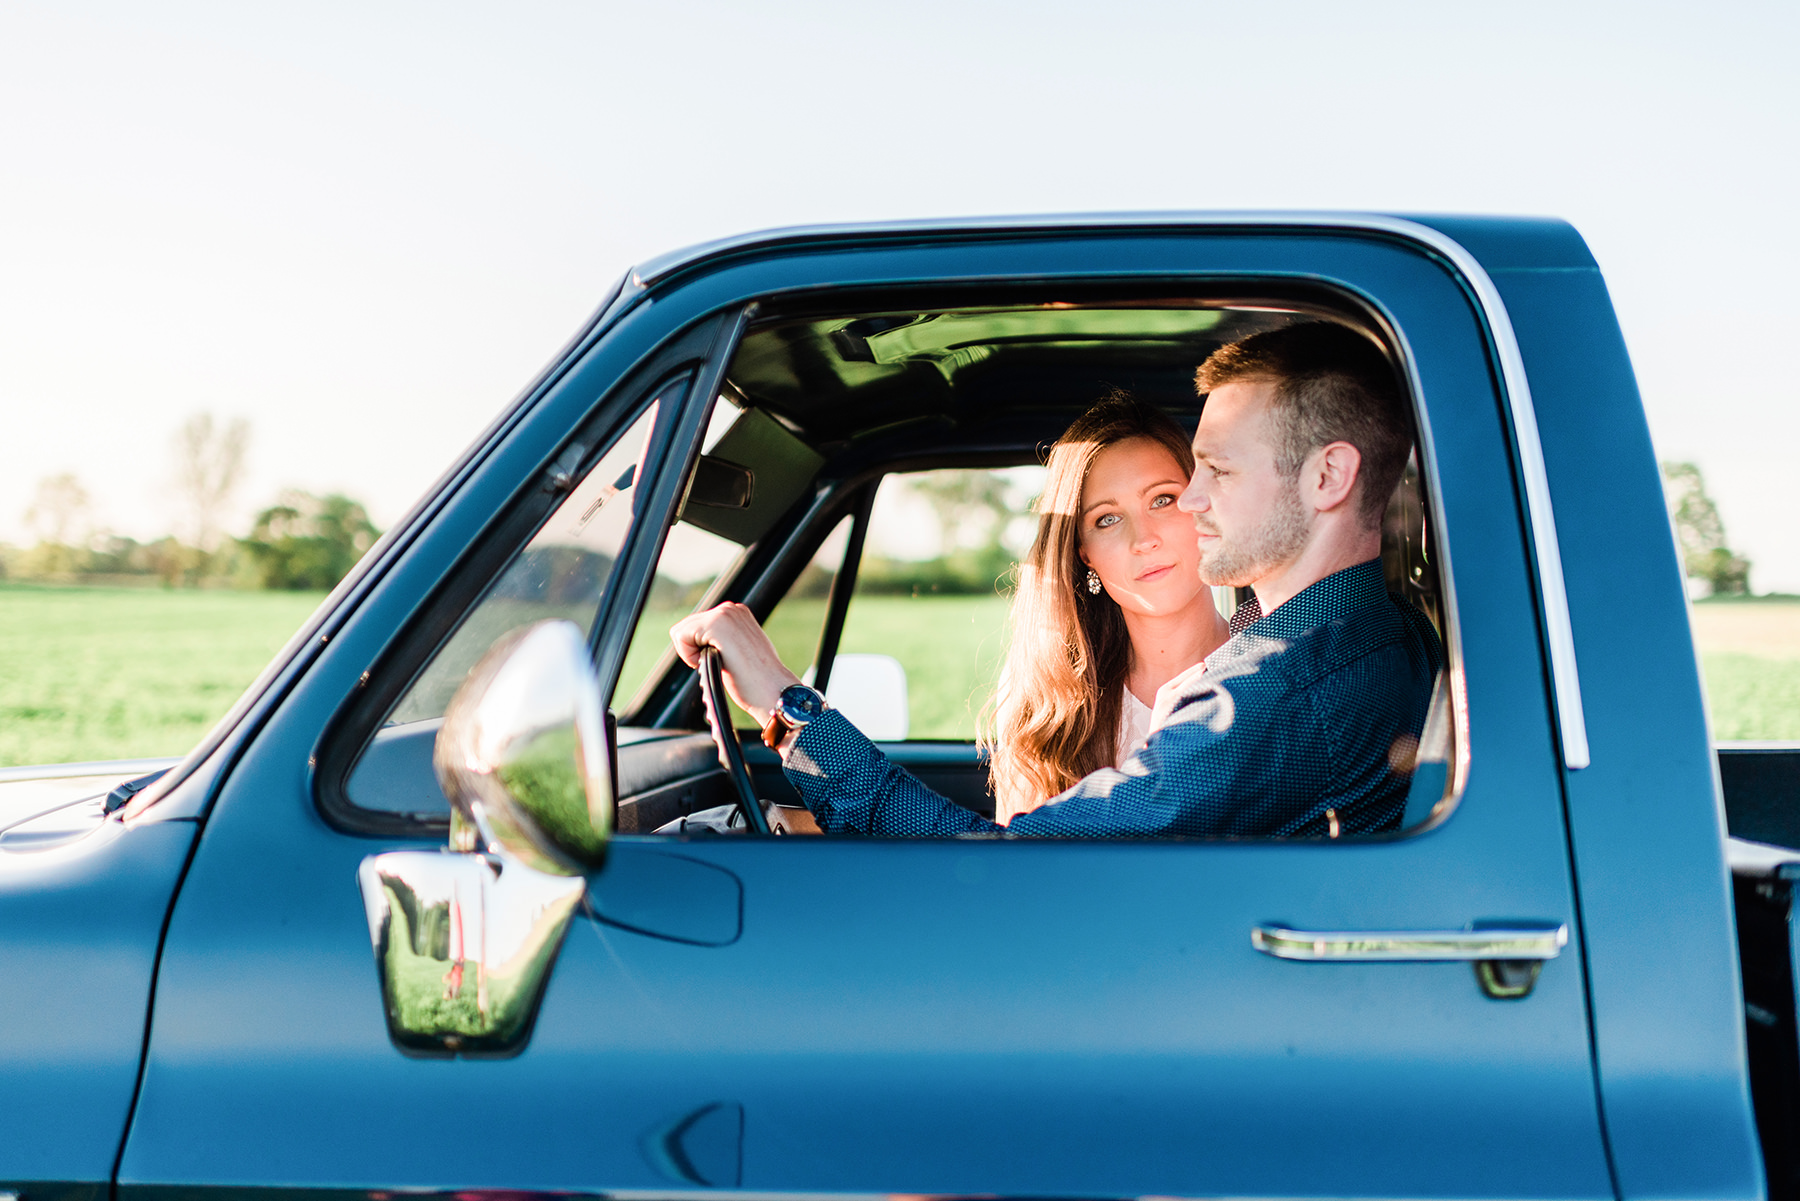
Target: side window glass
794, 626
690, 565
561, 573
752, 470
928, 613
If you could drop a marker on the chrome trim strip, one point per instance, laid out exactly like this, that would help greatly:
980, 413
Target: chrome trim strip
1411, 946
1559, 629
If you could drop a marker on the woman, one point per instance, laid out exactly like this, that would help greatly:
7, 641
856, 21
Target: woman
1109, 605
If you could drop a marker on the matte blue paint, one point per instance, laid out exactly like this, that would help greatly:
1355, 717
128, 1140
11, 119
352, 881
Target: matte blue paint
1647, 821
78, 933
1004, 1018
678, 897
944, 1017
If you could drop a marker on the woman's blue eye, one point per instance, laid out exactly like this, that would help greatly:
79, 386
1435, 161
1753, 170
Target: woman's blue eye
1162, 501
1105, 520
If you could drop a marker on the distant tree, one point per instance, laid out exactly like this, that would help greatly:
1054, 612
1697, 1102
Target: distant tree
966, 503
59, 510
209, 464
172, 560
308, 542
1701, 533
58, 515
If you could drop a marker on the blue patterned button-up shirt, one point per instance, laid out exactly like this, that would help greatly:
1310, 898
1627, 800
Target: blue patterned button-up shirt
1305, 718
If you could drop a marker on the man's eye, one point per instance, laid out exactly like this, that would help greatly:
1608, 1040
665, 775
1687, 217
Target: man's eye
1219, 473
1105, 520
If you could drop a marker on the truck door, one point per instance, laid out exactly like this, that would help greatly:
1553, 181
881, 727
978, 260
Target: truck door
822, 1016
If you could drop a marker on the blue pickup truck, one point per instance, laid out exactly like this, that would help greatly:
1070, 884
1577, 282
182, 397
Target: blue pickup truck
430, 911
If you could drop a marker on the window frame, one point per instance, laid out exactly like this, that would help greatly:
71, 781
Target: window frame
772, 563
694, 360
681, 709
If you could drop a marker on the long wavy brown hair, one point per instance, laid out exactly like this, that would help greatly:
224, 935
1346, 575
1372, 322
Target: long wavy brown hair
1055, 715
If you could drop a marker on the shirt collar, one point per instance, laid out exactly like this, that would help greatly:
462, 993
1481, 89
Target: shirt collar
1337, 595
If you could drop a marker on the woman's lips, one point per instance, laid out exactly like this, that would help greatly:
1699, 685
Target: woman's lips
1156, 573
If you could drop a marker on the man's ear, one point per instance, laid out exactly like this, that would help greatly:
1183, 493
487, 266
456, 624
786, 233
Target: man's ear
1328, 480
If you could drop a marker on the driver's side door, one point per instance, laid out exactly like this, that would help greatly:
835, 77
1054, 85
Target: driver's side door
812, 1015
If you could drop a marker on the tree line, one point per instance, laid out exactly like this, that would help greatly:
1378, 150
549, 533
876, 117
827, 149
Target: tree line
306, 541
980, 502
302, 541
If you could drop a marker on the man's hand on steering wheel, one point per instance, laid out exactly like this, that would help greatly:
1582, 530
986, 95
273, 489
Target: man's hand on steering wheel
734, 655
754, 673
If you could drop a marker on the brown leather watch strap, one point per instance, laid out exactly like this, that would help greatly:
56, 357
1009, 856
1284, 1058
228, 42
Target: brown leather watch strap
775, 730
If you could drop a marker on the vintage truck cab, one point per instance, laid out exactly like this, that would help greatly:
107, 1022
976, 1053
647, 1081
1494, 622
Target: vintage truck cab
424, 916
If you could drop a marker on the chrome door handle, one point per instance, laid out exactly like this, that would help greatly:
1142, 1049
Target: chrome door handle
1411, 946
1507, 958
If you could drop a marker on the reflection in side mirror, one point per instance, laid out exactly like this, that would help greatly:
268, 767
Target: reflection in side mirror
870, 691
464, 946
464, 938
522, 754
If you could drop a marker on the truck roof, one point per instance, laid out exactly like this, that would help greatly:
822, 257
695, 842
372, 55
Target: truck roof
1497, 243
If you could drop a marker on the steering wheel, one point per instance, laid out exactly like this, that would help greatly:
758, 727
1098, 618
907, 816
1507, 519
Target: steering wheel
731, 755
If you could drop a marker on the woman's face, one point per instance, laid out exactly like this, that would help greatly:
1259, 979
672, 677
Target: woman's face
1131, 533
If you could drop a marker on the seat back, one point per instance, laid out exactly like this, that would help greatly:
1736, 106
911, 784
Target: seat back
1431, 770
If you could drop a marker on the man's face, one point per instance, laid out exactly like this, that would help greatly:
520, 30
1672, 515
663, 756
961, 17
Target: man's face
1248, 515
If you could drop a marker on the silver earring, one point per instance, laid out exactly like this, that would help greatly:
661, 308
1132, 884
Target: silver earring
1093, 582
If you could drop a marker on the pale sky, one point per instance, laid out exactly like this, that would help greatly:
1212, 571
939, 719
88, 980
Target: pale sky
364, 226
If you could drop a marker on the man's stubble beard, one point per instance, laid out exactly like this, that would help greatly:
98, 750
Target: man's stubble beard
1275, 541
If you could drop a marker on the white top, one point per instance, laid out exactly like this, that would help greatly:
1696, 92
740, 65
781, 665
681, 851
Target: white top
1134, 726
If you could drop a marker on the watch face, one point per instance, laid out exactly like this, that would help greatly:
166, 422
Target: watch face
800, 701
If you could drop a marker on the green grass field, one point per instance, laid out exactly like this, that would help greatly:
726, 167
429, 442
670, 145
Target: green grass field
1752, 697
950, 647
118, 673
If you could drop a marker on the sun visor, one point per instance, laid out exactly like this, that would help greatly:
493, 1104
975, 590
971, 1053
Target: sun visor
750, 478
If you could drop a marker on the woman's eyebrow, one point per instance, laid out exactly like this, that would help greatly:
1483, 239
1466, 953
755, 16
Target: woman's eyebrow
1104, 500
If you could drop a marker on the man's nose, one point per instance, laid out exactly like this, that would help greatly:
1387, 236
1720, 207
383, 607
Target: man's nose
1193, 498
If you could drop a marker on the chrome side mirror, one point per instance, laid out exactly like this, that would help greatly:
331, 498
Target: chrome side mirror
463, 944
464, 938
522, 754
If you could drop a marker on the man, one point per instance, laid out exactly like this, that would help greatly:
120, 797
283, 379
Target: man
1299, 726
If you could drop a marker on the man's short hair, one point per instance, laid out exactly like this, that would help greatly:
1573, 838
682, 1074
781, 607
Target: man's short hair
1332, 384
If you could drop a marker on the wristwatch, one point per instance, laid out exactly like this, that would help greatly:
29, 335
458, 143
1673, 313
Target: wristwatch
797, 705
